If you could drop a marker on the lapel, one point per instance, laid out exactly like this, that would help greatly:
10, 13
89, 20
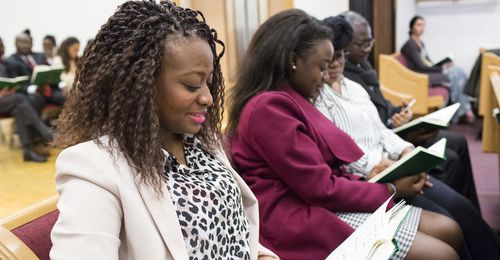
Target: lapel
338, 142
164, 214
165, 218
23, 67
160, 207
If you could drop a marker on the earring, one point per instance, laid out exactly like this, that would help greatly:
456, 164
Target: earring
294, 67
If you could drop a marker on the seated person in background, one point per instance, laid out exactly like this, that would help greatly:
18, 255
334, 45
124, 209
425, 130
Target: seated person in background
67, 55
348, 105
456, 171
26, 119
24, 60
143, 175
3, 70
293, 158
22, 63
418, 60
27, 122
49, 47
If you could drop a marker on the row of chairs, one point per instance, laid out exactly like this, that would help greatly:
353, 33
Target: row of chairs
400, 83
491, 126
487, 101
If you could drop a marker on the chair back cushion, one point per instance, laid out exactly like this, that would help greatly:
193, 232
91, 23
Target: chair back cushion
439, 91
36, 234
401, 58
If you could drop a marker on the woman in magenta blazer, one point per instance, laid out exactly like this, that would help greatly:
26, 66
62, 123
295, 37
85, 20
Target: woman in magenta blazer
292, 156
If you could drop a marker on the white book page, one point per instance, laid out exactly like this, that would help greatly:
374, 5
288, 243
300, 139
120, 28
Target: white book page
359, 244
438, 148
443, 115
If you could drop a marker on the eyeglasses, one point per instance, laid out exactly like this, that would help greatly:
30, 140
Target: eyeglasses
365, 44
340, 55
323, 72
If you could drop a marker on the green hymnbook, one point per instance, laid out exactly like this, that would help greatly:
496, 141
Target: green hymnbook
419, 160
43, 74
13, 82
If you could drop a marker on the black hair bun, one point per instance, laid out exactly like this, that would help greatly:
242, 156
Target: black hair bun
342, 31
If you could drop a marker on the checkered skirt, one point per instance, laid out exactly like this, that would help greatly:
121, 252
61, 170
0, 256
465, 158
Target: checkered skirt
405, 235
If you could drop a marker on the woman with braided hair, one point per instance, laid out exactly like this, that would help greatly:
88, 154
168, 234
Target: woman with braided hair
143, 175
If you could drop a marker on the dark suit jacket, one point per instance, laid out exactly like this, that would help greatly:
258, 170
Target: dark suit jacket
366, 76
17, 67
291, 156
3, 70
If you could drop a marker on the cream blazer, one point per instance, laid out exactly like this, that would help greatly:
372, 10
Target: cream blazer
107, 213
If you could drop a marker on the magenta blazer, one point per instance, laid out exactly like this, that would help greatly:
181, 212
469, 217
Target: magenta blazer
291, 156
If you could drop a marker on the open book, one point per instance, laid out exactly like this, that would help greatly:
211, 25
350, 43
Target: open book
13, 82
43, 74
374, 239
419, 160
430, 122
448, 58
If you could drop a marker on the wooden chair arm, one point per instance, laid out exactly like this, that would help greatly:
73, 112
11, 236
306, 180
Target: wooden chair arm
13, 248
30, 213
391, 94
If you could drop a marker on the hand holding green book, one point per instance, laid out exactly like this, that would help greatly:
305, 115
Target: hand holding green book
419, 160
12, 83
43, 74
436, 120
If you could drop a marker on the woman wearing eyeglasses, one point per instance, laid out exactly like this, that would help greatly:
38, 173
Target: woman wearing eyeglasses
348, 105
293, 157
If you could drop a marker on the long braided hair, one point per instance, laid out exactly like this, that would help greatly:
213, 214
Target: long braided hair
115, 94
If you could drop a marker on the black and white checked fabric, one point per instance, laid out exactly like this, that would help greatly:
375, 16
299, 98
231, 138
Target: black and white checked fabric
405, 235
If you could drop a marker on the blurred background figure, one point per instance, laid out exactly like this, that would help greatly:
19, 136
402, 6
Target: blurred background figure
49, 47
67, 55
448, 74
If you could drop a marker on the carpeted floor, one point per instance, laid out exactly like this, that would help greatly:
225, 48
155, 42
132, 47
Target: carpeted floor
486, 174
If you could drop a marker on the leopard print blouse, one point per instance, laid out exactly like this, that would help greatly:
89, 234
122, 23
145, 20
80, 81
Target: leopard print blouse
209, 205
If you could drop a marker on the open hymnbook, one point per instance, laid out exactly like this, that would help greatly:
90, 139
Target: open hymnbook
430, 122
446, 59
44, 74
13, 82
374, 239
419, 160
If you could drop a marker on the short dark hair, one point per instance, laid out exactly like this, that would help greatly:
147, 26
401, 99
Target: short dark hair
266, 65
413, 21
342, 31
51, 38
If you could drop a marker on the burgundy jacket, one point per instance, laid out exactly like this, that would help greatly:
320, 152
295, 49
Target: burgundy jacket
291, 156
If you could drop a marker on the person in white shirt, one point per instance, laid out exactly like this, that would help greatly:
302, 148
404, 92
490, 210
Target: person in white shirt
348, 105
